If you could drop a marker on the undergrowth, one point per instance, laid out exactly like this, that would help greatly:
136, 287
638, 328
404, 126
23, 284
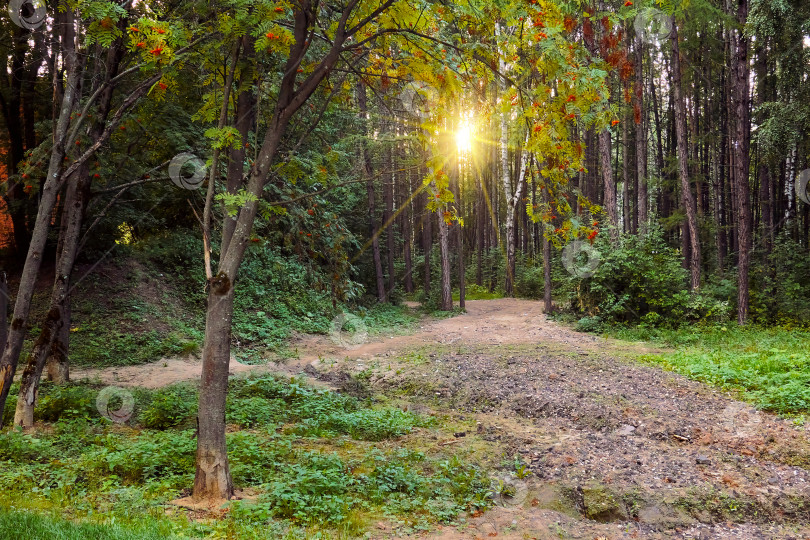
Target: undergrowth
148, 304
315, 460
769, 367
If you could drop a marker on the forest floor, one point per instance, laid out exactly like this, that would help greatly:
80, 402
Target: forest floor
590, 442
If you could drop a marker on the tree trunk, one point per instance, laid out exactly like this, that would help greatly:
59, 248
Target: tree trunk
547, 307
742, 140
460, 234
506, 179
722, 175
50, 344
245, 116
511, 192
212, 481
427, 242
407, 235
75, 204
3, 318
58, 366
462, 278
641, 139
388, 219
444, 254
213, 478
481, 213
608, 184
626, 216
372, 203
683, 162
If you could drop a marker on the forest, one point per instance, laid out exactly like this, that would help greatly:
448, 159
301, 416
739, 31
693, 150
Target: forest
405, 268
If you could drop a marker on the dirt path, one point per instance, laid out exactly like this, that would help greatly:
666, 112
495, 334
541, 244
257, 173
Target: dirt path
613, 448
491, 322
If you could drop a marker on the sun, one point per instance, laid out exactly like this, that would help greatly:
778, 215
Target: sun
464, 137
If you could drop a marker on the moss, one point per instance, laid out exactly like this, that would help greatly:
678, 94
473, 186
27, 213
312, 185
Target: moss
601, 504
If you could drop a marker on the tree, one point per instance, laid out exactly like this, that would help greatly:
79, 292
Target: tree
373, 231
741, 144
305, 66
683, 161
65, 128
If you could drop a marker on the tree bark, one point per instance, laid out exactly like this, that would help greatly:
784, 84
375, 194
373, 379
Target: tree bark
444, 254
388, 220
372, 201
511, 192
457, 177
683, 162
58, 366
407, 235
742, 140
427, 242
626, 216
641, 139
245, 118
53, 340
3, 317
213, 478
547, 306
608, 184
75, 204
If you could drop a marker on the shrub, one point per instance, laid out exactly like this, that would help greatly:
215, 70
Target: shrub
365, 424
21, 447
66, 401
640, 280
256, 459
779, 292
314, 490
253, 411
529, 282
169, 407
153, 455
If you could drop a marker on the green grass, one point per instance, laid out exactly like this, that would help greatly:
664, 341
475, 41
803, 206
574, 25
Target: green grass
385, 318
15, 525
316, 460
769, 367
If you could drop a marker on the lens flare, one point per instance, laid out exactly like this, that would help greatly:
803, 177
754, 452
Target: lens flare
464, 137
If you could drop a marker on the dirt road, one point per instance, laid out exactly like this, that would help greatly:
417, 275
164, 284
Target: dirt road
612, 448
